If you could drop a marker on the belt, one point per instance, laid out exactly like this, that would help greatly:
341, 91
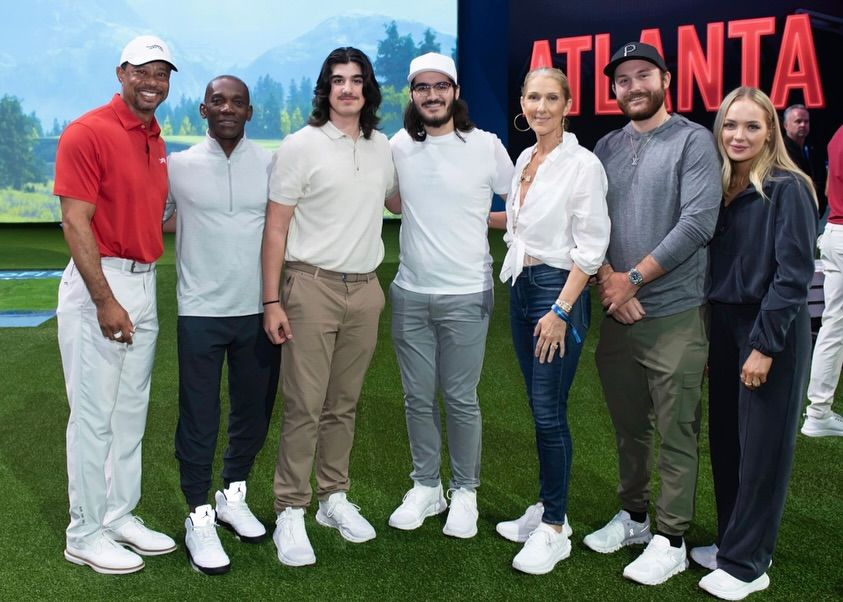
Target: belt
128, 265
316, 272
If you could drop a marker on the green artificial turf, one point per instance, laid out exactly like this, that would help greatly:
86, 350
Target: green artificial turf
417, 565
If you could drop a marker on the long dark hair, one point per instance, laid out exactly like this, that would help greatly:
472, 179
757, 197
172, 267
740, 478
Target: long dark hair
371, 90
414, 125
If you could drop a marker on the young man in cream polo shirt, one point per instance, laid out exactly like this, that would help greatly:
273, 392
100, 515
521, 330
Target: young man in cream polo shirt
442, 295
323, 227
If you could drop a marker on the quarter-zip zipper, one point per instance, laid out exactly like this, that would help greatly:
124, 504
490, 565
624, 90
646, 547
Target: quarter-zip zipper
230, 190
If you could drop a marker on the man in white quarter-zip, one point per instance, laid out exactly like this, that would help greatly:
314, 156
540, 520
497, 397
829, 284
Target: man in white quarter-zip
218, 189
441, 297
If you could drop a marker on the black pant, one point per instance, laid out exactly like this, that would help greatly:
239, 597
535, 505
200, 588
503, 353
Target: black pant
752, 436
253, 369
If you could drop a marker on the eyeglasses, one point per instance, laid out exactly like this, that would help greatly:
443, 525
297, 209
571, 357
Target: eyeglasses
438, 86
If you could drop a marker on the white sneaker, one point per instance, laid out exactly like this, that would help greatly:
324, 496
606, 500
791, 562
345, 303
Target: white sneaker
462, 517
619, 532
418, 503
234, 514
658, 563
705, 556
519, 530
829, 426
291, 540
721, 584
142, 540
544, 548
340, 514
204, 550
104, 556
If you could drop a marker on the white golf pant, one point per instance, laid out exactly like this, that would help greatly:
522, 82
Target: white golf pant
828, 351
108, 390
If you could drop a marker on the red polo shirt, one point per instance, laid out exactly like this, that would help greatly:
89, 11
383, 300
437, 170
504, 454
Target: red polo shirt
835, 178
112, 159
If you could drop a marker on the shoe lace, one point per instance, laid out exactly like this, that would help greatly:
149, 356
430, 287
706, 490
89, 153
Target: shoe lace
538, 538
458, 496
287, 523
343, 509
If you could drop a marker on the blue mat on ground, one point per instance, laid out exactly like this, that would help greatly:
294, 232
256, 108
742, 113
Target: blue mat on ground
24, 319
29, 274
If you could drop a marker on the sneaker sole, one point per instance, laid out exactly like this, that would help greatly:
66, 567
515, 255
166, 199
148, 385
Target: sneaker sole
143, 551
545, 568
641, 539
70, 557
452, 533
206, 570
821, 433
740, 594
240, 536
431, 511
329, 522
676, 570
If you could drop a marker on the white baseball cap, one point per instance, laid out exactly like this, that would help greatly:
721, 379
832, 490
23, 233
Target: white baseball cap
433, 61
145, 49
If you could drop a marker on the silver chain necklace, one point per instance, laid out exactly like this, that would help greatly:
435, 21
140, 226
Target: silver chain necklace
638, 151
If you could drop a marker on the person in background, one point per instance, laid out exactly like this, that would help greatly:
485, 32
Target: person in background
820, 420
557, 230
796, 121
762, 261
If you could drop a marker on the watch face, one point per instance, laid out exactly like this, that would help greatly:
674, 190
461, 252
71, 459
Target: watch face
635, 277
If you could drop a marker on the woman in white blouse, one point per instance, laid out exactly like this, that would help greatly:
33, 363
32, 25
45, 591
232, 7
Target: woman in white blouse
557, 229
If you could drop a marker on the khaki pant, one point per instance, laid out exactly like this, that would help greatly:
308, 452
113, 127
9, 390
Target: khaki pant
334, 321
651, 373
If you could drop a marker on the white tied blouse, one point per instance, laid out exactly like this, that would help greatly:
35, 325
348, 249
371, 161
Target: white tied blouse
564, 220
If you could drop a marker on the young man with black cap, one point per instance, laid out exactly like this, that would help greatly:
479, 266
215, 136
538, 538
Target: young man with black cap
663, 198
111, 177
441, 297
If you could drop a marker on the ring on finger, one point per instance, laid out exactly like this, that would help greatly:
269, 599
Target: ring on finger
118, 334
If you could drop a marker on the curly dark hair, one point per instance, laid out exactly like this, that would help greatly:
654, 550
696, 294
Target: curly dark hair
371, 90
414, 125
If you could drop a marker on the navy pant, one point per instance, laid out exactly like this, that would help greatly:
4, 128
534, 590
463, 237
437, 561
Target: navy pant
752, 436
253, 368
535, 290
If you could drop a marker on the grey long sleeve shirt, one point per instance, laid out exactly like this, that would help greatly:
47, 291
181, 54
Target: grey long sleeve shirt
665, 206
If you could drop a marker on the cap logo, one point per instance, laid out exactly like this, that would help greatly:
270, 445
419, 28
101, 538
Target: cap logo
154, 46
629, 48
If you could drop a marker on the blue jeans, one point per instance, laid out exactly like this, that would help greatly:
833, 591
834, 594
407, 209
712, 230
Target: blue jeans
535, 290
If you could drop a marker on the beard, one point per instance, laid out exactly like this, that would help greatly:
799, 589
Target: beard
435, 122
655, 102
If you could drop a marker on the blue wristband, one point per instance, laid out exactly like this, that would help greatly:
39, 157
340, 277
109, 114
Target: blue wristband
566, 317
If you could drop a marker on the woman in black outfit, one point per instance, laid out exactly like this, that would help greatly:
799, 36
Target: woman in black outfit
761, 264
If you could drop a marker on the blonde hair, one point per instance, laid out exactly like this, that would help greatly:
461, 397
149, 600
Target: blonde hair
773, 154
555, 74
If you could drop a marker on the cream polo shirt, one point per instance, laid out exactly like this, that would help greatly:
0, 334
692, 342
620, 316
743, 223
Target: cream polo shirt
564, 220
338, 186
446, 185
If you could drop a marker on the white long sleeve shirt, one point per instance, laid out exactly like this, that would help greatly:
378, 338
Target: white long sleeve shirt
563, 221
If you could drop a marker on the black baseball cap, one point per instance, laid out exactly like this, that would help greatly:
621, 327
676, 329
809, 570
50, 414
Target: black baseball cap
634, 51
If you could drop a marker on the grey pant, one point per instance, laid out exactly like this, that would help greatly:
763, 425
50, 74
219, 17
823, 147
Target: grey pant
440, 341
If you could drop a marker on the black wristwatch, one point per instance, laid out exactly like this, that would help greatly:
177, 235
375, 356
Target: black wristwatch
635, 277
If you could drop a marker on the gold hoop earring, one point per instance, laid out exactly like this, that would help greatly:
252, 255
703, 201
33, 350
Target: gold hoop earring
515, 123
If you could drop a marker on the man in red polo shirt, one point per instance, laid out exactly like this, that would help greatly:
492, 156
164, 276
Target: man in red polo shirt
111, 177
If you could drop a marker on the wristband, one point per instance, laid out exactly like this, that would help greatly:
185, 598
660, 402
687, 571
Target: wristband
566, 317
265, 303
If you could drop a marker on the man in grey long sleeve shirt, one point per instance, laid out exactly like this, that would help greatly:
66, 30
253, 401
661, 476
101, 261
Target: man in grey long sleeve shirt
663, 198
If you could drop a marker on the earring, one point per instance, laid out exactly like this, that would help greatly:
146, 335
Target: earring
515, 123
